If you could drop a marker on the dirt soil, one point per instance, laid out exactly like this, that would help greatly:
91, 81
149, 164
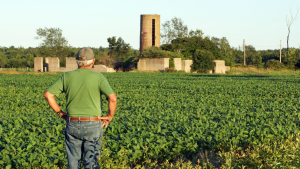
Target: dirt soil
34, 73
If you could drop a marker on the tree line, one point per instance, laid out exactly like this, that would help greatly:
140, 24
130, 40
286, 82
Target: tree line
178, 42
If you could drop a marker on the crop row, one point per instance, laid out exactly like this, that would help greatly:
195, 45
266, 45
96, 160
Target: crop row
159, 116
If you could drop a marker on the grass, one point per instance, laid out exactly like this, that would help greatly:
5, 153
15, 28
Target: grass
261, 71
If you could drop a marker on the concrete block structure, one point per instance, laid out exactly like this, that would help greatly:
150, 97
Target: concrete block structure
149, 31
153, 64
100, 68
186, 65
227, 68
38, 64
52, 64
177, 63
219, 67
71, 64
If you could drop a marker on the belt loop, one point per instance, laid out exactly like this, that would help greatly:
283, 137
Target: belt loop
90, 119
78, 119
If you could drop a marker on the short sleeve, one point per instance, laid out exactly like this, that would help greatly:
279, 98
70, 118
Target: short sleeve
57, 87
105, 87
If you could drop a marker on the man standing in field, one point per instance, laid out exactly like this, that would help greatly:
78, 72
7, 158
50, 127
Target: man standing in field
83, 88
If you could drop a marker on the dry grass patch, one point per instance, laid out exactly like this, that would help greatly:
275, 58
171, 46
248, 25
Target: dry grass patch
33, 73
261, 71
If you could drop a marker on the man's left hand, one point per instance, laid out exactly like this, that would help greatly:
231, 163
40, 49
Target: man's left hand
63, 115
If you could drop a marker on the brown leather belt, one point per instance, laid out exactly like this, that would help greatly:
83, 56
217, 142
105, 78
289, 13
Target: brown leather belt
84, 118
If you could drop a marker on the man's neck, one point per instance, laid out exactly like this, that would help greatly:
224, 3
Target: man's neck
87, 67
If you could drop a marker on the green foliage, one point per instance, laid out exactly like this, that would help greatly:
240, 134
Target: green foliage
256, 60
173, 29
171, 63
156, 52
52, 37
290, 60
202, 61
53, 45
189, 45
118, 48
3, 60
271, 154
274, 64
156, 120
227, 53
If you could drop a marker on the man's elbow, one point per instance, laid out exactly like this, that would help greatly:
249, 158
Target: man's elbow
112, 98
46, 94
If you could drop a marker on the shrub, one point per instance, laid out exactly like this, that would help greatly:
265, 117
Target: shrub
274, 64
203, 61
170, 70
171, 63
155, 52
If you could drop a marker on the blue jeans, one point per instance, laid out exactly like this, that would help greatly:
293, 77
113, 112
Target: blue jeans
83, 137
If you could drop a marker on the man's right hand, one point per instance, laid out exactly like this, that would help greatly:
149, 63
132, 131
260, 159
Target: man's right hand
105, 120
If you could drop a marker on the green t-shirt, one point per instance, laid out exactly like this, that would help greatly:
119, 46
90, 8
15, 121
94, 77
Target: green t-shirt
83, 88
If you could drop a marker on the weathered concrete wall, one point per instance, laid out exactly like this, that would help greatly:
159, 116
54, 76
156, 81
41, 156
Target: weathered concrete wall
186, 65
177, 63
141, 65
150, 33
227, 68
219, 67
153, 64
71, 64
38, 64
52, 64
111, 70
102, 68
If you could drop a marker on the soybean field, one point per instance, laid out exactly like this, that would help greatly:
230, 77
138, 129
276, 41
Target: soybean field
159, 116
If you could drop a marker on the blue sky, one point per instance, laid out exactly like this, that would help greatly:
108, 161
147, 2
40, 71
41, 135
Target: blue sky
262, 23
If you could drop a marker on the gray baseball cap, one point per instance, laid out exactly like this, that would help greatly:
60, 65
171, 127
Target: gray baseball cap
85, 54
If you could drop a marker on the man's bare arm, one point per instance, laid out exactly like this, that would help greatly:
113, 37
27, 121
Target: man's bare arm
53, 104
112, 105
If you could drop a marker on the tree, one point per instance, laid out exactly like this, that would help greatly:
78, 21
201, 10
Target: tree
202, 61
290, 59
250, 54
3, 60
188, 45
226, 51
118, 47
173, 29
289, 23
52, 37
197, 33
54, 44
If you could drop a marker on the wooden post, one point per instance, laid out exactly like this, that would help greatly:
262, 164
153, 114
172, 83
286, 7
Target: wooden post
280, 52
244, 54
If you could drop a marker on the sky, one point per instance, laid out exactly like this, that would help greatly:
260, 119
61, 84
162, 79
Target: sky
262, 23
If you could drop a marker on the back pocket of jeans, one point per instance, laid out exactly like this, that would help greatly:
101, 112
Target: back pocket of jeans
92, 133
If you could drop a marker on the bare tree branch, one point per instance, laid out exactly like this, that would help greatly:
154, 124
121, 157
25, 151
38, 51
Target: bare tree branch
289, 23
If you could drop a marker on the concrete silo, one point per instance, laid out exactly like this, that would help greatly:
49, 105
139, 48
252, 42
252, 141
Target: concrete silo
150, 31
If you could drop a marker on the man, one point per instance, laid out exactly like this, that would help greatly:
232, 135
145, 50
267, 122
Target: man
83, 89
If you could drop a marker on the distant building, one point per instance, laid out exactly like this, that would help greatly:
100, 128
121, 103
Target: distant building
150, 31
